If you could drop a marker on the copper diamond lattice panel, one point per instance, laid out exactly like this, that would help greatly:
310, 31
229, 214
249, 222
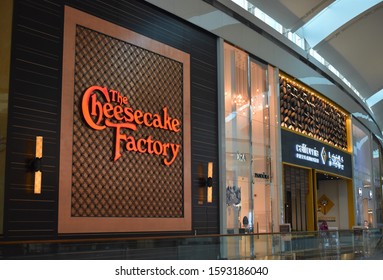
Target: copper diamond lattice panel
137, 184
306, 112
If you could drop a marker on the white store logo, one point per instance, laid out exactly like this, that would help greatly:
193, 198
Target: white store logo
306, 153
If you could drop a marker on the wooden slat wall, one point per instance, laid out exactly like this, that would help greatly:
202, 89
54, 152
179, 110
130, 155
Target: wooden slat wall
35, 94
34, 109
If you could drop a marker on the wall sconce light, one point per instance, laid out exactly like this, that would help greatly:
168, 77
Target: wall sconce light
36, 164
209, 182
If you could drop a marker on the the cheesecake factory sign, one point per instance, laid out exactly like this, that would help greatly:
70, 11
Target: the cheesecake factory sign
112, 111
125, 145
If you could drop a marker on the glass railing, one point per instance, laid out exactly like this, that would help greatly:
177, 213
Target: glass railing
342, 244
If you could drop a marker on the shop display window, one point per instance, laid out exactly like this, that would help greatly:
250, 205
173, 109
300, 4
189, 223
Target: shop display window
247, 144
376, 191
367, 177
362, 174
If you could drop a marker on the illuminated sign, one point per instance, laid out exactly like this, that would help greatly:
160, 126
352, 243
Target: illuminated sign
306, 153
125, 131
301, 150
336, 161
109, 109
312, 154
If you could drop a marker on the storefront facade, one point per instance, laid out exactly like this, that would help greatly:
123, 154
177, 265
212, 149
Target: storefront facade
316, 157
251, 144
126, 108
367, 178
153, 126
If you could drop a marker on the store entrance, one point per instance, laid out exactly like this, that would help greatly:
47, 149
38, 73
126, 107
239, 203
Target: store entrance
334, 201
311, 196
298, 198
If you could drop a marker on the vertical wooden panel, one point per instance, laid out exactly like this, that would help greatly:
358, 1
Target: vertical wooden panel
34, 109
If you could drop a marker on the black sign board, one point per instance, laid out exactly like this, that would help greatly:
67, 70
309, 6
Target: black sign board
304, 151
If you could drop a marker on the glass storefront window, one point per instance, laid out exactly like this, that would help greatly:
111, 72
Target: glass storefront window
237, 129
260, 147
377, 183
5, 50
362, 175
247, 144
